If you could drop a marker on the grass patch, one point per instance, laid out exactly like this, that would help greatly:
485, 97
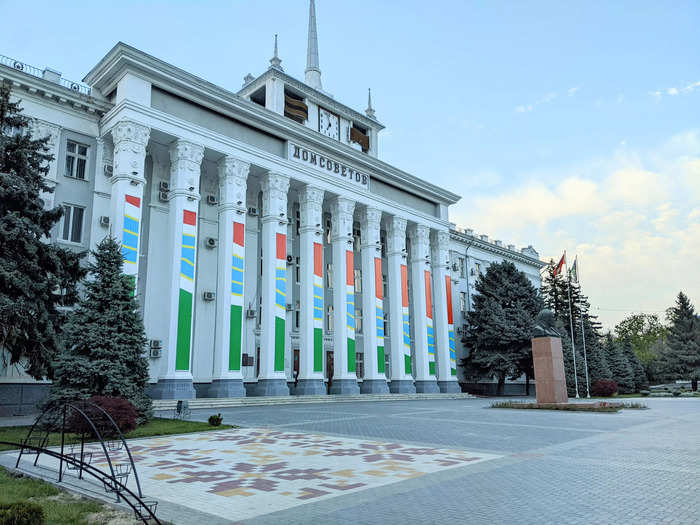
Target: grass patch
154, 427
569, 407
59, 507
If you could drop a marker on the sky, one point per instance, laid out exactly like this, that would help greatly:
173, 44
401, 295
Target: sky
565, 125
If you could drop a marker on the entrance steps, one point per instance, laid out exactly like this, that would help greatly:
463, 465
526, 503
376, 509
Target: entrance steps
215, 402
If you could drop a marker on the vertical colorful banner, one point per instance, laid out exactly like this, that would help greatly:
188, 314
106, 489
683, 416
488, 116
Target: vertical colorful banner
280, 300
379, 298
318, 307
429, 324
237, 280
130, 236
450, 326
350, 300
408, 369
184, 309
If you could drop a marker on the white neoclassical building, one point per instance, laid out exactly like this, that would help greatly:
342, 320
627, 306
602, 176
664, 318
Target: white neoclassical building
272, 252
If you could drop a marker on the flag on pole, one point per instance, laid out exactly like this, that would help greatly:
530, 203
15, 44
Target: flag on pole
560, 266
573, 273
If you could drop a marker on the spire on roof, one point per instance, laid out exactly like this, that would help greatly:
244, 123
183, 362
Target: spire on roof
370, 110
313, 70
275, 60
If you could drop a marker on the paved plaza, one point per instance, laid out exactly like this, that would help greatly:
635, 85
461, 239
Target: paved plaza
436, 461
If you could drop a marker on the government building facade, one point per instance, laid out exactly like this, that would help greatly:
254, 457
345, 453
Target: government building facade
272, 251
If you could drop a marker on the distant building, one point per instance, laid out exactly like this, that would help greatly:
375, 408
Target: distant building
265, 238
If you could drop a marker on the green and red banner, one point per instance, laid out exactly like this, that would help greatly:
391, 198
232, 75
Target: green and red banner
185, 300
237, 287
280, 300
350, 302
318, 307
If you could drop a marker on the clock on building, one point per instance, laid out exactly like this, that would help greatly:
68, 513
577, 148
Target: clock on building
329, 124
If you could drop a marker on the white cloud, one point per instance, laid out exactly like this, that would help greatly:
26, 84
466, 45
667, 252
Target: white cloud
632, 218
673, 91
573, 90
546, 99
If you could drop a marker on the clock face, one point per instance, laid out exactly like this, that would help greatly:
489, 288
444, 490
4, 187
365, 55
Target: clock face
328, 124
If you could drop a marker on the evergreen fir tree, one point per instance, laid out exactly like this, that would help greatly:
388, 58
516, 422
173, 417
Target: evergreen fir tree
620, 368
598, 367
105, 338
683, 358
569, 364
641, 382
499, 328
35, 276
554, 293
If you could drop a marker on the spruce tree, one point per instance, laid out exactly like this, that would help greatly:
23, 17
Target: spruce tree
641, 382
598, 367
499, 328
35, 277
683, 341
620, 368
105, 338
554, 293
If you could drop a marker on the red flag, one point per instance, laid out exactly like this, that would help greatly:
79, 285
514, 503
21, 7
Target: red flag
560, 265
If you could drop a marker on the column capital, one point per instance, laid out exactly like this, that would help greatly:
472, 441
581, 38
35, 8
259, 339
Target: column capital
127, 133
370, 224
233, 176
341, 219
185, 168
130, 141
441, 249
420, 242
311, 209
396, 236
274, 199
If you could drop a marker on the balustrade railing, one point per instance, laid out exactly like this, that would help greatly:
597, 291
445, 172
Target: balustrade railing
36, 72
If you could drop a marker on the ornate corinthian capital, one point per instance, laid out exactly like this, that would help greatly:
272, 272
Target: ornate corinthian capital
311, 207
396, 235
129, 134
185, 165
233, 176
274, 189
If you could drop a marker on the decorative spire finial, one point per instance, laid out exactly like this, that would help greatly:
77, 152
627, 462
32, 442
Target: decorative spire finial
275, 60
370, 110
313, 70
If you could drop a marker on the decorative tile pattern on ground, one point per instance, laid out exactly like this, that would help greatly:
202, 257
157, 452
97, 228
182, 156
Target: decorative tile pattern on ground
246, 472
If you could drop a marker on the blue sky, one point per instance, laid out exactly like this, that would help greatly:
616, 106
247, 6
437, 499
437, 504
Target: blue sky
566, 125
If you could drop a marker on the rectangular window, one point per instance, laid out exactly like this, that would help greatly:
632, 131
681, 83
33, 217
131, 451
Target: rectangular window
477, 268
462, 269
358, 281
360, 364
358, 320
72, 230
329, 275
297, 271
462, 301
329, 318
76, 160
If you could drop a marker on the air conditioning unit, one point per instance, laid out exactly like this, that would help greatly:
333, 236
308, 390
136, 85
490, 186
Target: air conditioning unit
108, 170
210, 242
156, 343
156, 352
163, 196
104, 221
164, 186
253, 212
250, 313
209, 296
212, 200
290, 259
289, 307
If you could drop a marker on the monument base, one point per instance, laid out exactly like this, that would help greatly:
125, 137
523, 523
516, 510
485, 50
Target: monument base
548, 362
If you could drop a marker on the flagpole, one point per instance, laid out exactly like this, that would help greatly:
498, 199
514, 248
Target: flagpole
583, 331
571, 326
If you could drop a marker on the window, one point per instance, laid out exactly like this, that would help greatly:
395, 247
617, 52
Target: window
462, 301
358, 281
462, 269
329, 275
360, 364
328, 231
477, 268
357, 239
329, 318
297, 271
72, 230
358, 320
76, 160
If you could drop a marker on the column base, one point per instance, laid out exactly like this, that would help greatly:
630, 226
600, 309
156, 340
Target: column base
449, 387
309, 387
226, 388
374, 386
427, 387
402, 386
268, 387
172, 389
344, 387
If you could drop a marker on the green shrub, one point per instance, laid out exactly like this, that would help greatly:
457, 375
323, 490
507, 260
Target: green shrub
21, 513
216, 420
676, 393
644, 393
604, 388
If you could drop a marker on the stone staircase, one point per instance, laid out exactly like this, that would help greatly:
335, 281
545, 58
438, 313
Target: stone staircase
169, 404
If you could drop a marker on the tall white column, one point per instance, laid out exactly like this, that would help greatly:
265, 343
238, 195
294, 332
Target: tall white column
344, 379
374, 381
185, 170
399, 320
422, 320
311, 293
444, 322
272, 380
228, 380
130, 140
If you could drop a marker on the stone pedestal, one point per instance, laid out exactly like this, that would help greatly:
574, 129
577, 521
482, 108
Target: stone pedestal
549, 370
374, 386
310, 387
402, 386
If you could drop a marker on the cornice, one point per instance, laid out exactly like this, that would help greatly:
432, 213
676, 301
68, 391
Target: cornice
46, 90
105, 75
497, 250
